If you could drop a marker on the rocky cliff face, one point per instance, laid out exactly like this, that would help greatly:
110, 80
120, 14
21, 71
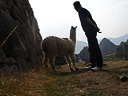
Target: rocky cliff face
24, 44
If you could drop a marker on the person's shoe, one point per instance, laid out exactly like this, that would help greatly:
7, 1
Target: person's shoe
96, 69
88, 68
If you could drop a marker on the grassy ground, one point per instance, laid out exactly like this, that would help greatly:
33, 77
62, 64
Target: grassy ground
107, 81
117, 68
110, 57
62, 82
43, 83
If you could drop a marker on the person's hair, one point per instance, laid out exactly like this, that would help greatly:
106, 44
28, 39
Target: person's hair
77, 4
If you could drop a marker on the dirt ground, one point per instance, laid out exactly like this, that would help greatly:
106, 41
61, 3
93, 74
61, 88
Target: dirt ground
108, 84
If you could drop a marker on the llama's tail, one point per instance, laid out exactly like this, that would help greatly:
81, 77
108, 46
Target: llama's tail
43, 46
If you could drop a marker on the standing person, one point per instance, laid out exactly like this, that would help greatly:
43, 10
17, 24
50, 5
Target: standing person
90, 28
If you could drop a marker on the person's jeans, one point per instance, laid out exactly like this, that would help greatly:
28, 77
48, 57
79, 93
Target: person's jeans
95, 53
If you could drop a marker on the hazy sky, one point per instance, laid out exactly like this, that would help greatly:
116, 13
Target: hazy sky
55, 17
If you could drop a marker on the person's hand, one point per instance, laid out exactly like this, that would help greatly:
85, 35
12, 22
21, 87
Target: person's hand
97, 29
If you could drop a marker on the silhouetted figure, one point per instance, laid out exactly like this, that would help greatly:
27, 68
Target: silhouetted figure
90, 28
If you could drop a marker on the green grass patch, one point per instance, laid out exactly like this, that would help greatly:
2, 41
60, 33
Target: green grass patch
110, 57
117, 68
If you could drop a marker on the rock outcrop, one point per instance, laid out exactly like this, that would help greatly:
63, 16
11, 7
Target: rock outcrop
24, 44
122, 51
107, 47
84, 55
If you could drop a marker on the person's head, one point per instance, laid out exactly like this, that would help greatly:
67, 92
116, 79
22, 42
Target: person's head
77, 5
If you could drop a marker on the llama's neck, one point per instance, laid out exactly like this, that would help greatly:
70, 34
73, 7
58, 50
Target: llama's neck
73, 36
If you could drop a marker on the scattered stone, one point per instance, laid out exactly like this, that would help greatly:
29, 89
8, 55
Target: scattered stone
96, 83
89, 64
14, 69
123, 78
104, 64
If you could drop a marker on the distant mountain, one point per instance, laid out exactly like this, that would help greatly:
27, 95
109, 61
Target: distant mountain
107, 47
119, 39
79, 46
112, 41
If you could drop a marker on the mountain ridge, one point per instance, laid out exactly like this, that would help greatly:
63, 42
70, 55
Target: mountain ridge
107, 47
116, 41
79, 46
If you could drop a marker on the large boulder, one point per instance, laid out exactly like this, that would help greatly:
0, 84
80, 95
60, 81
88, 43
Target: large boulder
24, 43
13, 46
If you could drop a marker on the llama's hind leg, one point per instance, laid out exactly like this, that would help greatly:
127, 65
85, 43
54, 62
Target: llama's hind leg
74, 61
46, 61
52, 62
68, 59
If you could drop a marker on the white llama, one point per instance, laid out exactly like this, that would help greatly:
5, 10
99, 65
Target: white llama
53, 46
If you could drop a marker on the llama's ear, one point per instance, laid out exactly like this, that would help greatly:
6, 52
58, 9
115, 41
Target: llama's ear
76, 27
71, 26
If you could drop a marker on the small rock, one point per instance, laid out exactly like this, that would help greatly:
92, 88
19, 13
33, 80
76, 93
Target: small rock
123, 78
105, 65
96, 83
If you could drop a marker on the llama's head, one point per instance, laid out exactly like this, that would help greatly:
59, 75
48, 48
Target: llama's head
73, 34
73, 28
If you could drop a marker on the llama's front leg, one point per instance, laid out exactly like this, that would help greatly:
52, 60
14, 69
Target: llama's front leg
74, 61
68, 59
52, 62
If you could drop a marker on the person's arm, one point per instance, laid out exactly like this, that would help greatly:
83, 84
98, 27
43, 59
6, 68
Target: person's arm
92, 24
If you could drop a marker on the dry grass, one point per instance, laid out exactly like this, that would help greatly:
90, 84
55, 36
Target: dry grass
49, 83
110, 57
43, 83
117, 68
15, 85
